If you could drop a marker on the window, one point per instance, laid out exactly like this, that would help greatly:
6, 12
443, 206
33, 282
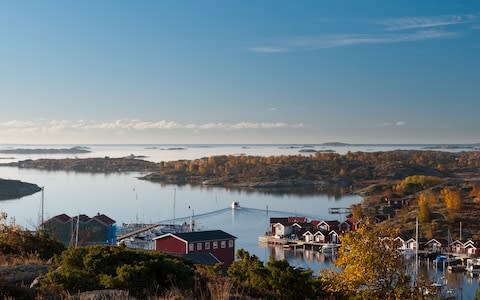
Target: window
207, 245
215, 245
199, 246
191, 247
230, 244
223, 244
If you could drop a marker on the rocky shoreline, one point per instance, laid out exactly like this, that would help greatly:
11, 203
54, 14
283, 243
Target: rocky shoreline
14, 189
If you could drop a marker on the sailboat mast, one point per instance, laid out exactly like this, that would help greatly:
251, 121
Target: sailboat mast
174, 200
76, 233
43, 201
416, 248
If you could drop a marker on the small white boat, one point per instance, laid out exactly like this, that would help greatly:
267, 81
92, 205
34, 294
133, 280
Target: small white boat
235, 205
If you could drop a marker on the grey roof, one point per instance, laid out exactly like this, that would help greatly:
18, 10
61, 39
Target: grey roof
204, 258
210, 235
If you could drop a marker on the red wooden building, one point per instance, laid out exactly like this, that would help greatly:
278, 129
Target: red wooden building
215, 244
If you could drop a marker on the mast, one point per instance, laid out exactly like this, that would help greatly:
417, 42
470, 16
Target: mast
174, 200
460, 230
416, 248
136, 204
76, 233
43, 201
191, 220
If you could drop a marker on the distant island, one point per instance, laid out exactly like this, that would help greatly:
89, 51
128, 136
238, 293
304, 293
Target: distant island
13, 189
170, 148
452, 146
73, 150
92, 165
335, 144
307, 151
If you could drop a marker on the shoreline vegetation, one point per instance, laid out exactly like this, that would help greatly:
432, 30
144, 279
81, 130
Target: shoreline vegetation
379, 177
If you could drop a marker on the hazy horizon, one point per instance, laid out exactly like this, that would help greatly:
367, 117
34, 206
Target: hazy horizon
209, 72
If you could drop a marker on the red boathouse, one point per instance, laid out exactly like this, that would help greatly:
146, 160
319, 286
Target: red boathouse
218, 245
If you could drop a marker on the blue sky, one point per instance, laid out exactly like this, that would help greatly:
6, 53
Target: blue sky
239, 71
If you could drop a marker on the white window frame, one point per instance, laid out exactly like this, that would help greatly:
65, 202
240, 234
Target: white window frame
223, 244
207, 245
191, 247
199, 246
230, 243
215, 245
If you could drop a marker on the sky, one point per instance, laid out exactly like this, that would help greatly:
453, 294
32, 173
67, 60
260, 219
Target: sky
221, 72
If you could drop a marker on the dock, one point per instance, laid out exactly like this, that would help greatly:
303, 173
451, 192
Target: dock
291, 244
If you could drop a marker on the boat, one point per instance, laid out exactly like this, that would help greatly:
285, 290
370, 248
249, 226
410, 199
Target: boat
473, 266
328, 248
235, 205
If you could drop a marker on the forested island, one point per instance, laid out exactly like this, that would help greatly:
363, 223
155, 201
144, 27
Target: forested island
73, 150
93, 165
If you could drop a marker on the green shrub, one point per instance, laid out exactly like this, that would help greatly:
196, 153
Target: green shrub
109, 267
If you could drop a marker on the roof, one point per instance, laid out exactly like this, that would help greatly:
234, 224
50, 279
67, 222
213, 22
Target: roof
82, 217
353, 221
198, 236
63, 218
203, 258
104, 219
332, 223
297, 219
278, 220
60, 218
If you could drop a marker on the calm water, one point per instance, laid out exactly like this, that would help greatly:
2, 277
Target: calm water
126, 199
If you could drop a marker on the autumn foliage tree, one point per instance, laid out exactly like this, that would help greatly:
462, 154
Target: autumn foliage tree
452, 198
371, 267
423, 209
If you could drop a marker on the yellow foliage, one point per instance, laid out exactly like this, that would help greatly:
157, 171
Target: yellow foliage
412, 184
423, 209
452, 198
369, 259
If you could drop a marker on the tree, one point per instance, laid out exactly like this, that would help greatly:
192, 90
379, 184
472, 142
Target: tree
424, 211
278, 277
371, 266
249, 270
452, 198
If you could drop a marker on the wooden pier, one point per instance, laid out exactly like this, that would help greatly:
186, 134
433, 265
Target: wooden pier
291, 244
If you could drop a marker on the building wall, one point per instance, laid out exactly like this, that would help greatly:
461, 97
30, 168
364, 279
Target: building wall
225, 255
170, 244
89, 233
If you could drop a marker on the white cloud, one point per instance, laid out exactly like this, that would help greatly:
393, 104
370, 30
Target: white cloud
397, 30
407, 23
333, 41
55, 126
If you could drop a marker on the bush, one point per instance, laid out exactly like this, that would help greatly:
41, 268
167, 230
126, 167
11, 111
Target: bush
109, 267
18, 243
